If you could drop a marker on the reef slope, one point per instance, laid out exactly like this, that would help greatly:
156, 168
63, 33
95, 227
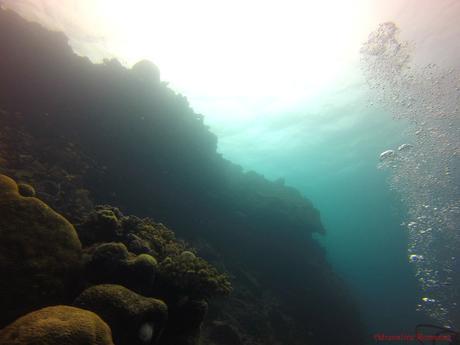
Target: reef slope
84, 134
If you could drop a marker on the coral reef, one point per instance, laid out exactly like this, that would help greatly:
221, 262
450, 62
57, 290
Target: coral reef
56, 326
53, 175
112, 263
178, 272
191, 275
134, 319
101, 225
40, 254
84, 134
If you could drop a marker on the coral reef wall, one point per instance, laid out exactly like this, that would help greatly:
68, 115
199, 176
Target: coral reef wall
83, 134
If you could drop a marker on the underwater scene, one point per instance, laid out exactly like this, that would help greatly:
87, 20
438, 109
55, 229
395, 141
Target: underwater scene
229, 172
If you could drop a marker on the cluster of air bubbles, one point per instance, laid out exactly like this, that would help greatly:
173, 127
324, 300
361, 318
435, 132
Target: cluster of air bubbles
424, 173
392, 158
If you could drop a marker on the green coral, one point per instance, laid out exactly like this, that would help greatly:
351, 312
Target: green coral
160, 240
103, 224
179, 270
112, 263
190, 275
40, 254
57, 325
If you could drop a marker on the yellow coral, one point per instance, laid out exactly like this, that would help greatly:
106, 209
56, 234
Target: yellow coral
132, 317
40, 254
57, 325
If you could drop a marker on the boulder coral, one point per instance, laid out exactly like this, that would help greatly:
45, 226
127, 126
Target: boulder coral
40, 254
134, 319
112, 263
57, 325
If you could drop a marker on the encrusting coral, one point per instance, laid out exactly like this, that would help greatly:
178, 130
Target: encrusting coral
57, 325
40, 254
134, 319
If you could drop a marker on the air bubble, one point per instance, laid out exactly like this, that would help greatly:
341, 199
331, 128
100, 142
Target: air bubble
422, 173
415, 258
388, 154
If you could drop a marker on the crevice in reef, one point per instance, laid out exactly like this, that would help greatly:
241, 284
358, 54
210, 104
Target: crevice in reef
84, 134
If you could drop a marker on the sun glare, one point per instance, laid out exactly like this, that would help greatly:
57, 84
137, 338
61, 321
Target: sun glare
237, 47
268, 51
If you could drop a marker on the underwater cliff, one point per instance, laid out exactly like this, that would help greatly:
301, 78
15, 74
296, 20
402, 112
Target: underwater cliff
151, 232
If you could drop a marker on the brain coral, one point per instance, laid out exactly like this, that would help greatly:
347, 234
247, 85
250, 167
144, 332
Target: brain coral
40, 254
57, 325
134, 319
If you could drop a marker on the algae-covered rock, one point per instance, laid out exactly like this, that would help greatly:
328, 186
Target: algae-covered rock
40, 254
134, 319
57, 325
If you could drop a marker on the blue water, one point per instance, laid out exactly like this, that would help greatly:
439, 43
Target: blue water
365, 241
377, 214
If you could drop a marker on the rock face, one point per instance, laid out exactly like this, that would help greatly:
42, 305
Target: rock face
57, 325
134, 319
40, 254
